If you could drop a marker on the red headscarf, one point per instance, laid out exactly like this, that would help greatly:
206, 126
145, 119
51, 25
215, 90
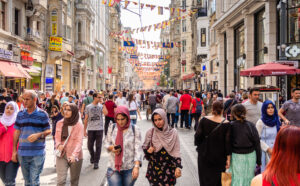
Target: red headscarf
119, 138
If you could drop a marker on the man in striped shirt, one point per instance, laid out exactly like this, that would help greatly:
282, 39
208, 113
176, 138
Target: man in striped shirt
32, 126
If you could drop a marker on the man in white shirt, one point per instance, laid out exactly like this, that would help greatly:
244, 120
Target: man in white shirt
121, 100
137, 96
165, 99
253, 106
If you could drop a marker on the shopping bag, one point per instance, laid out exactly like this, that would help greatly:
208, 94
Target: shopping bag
226, 178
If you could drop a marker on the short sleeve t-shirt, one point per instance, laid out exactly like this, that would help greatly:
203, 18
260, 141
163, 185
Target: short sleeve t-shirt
253, 112
110, 106
292, 110
28, 124
195, 104
88, 100
95, 117
186, 100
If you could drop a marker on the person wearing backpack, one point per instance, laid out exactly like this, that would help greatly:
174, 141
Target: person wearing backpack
212, 139
197, 109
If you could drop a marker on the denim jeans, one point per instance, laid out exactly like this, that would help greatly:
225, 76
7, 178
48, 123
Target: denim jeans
122, 178
133, 112
8, 172
32, 167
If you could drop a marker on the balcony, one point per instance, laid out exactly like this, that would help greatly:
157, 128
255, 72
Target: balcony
84, 8
83, 50
39, 4
33, 36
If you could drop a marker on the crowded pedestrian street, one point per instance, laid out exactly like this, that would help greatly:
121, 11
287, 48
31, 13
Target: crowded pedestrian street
92, 177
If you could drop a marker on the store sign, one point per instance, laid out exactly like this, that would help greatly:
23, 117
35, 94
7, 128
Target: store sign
292, 51
24, 47
54, 23
55, 43
49, 70
26, 60
6, 54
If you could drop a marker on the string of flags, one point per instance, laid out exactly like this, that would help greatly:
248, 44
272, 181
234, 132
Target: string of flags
157, 26
160, 9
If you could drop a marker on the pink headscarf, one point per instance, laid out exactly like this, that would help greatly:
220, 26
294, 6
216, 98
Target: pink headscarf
119, 138
166, 138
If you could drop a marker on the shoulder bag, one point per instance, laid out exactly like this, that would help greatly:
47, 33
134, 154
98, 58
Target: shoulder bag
57, 152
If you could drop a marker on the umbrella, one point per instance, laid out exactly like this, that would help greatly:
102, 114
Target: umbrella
270, 69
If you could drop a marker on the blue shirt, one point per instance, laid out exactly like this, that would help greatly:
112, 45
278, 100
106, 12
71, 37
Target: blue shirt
28, 124
64, 99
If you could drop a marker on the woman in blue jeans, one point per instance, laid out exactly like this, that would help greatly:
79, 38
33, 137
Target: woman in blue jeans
124, 163
133, 109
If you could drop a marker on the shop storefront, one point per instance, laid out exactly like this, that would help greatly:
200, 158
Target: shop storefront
65, 76
75, 76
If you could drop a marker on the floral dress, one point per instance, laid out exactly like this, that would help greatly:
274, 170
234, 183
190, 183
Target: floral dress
161, 168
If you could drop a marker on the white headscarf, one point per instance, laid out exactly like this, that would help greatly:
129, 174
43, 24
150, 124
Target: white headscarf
9, 120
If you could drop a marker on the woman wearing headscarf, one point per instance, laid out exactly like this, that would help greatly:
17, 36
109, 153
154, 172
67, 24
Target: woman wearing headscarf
68, 139
123, 142
8, 169
162, 150
267, 128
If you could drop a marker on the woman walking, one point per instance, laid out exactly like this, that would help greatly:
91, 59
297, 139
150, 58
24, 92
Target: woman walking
133, 109
8, 168
68, 139
162, 150
123, 142
267, 128
246, 152
212, 139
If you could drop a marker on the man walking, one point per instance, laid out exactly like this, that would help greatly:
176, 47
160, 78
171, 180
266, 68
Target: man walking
253, 106
165, 99
291, 109
32, 126
121, 101
110, 106
171, 105
86, 101
93, 124
184, 107
152, 101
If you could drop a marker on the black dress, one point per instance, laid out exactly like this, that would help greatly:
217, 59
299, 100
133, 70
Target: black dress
161, 168
212, 163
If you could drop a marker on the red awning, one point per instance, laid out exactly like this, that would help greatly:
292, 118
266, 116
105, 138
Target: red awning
24, 72
10, 69
189, 76
269, 69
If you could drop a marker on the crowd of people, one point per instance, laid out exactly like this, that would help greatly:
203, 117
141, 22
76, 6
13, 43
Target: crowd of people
238, 133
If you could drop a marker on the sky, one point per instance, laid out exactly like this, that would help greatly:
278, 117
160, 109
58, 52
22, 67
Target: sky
148, 17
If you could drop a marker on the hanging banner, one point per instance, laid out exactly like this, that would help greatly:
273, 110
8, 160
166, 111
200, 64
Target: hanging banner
128, 43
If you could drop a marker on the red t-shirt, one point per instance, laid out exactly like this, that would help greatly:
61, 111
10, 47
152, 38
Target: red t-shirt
265, 183
195, 104
110, 105
186, 100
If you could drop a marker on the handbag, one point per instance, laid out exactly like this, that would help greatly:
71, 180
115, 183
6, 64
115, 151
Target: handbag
57, 152
226, 178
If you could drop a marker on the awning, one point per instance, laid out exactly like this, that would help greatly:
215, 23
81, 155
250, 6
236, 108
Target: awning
189, 76
32, 70
10, 69
23, 71
269, 69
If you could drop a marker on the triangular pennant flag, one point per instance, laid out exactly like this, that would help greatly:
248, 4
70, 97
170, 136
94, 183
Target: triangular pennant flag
160, 10
104, 2
167, 8
149, 28
135, 3
142, 5
172, 11
126, 3
178, 11
117, 1
148, 6
152, 7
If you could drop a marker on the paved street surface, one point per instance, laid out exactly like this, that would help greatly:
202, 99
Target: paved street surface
91, 177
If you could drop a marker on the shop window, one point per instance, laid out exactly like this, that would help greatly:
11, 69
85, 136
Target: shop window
240, 57
68, 32
259, 37
183, 4
184, 25
259, 80
16, 22
3, 6
214, 67
69, 7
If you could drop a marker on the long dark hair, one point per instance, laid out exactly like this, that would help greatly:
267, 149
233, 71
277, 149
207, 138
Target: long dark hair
130, 99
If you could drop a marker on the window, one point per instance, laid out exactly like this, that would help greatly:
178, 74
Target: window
68, 32
214, 67
184, 25
213, 6
79, 31
16, 22
183, 45
203, 37
293, 21
177, 28
239, 57
2, 8
183, 4
69, 7
38, 26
